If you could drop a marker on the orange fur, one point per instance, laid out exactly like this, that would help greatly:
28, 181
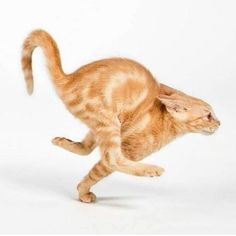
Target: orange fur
128, 112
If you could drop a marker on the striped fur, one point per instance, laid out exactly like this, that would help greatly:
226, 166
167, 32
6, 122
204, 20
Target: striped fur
128, 112
40, 38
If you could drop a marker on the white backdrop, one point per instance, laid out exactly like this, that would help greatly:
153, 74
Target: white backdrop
190, 45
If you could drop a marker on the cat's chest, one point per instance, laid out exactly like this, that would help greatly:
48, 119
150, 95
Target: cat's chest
139, 145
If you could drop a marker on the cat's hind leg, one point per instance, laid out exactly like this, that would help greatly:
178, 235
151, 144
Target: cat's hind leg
109, 140
98, 172
82, 148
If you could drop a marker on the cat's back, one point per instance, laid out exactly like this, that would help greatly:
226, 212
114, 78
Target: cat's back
121, 83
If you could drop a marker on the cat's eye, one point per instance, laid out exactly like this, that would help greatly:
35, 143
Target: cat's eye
209, 116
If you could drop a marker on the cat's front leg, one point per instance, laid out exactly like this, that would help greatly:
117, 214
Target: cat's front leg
109, 140
138, 169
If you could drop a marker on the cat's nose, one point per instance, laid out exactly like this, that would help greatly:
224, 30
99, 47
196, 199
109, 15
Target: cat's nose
218, 122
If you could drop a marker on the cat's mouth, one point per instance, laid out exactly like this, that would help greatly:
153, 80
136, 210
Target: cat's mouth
209, 130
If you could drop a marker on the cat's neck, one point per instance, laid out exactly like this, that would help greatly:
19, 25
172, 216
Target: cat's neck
164, 127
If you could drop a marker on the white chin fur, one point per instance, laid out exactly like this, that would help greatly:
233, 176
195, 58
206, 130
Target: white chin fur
208, 131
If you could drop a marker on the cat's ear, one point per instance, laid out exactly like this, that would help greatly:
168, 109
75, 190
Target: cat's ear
172, 103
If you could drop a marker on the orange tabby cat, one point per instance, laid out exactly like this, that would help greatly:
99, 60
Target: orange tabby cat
128, 112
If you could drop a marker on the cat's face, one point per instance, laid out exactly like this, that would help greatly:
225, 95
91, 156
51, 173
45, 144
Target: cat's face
195, 114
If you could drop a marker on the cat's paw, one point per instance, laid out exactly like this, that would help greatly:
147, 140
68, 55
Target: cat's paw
154, 171
59, 141
88, 197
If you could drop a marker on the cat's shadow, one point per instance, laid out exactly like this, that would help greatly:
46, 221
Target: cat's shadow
46, 181
33, 179
122, 202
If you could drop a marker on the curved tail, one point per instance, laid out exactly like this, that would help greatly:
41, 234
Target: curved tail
40, 38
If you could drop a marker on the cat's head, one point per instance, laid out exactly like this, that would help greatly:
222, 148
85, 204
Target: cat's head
194, 114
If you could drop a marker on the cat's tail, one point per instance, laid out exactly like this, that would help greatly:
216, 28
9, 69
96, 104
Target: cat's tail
40, 38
